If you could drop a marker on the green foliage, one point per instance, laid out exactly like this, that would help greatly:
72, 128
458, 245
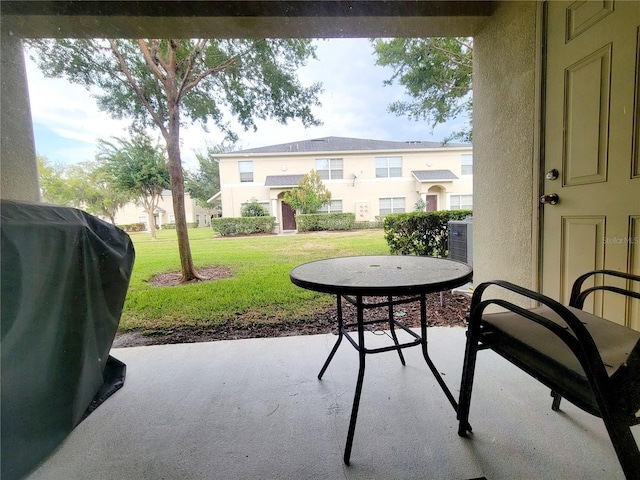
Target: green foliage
436, 73
133, 227
243, 225
253, 209
172, 226
368, 225
309, 195
54, 185
421, 233
136, 166
312, 222
205, 183
420, 205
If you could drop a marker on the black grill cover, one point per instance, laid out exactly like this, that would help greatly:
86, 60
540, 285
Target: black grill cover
64, 277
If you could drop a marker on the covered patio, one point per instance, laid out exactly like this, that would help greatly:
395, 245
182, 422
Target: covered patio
255, 409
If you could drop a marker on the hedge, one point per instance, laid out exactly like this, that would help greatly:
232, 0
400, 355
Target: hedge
172, 226
133, 227
421, 233
311, 222
243, 225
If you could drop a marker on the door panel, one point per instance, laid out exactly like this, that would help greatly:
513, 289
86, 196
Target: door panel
590, 138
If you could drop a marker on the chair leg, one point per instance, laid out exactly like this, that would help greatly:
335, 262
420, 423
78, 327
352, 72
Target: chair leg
557, 398
466, 386
624, 444
393, 332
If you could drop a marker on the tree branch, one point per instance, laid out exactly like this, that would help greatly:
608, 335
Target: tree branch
450, 55
149, 57
125, 69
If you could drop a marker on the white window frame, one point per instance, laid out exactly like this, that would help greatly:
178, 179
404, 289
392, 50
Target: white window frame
387, 167
466, 164
395, 206
248, 169
334, 207
333, 168
463, 201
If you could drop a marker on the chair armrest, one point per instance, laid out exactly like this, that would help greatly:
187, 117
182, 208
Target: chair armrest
575, 336
578, 295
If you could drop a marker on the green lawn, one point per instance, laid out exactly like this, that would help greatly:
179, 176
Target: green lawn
259, 289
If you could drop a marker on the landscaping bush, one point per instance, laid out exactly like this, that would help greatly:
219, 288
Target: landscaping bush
377, 223
313, 222
133, 227
253, 209
421, 233
243, 225
172, 226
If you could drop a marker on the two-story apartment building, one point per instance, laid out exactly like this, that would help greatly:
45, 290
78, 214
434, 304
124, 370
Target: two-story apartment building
365, 177
133, 212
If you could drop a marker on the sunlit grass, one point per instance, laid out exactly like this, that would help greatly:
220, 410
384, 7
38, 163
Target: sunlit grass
259, 289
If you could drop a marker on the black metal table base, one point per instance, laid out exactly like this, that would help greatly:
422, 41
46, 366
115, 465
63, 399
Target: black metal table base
359, 345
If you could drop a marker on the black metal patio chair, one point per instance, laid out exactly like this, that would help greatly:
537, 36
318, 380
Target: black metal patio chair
592, 362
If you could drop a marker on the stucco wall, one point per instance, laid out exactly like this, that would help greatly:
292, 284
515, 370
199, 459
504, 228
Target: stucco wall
18, 168
505, 141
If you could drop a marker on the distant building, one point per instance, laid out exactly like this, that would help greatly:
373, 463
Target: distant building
366, 177
135, 213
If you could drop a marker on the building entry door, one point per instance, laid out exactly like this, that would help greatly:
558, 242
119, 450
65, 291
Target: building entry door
590, 162
288, 217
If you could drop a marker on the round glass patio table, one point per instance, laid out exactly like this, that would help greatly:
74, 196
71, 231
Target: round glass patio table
405, 277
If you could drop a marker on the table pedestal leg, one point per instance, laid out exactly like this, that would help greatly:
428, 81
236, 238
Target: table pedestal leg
393, 331
335, 347
425, 352
356, 398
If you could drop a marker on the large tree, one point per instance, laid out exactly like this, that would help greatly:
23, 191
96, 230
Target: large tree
161, 83
436, 73
139, 168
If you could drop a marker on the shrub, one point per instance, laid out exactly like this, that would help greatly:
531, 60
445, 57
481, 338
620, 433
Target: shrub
421, 233
378, 223
243, 225
312, 222
133, 227
253, 209
172, 226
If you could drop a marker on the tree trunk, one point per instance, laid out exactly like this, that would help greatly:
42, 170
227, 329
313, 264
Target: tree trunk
177, 193
152, 221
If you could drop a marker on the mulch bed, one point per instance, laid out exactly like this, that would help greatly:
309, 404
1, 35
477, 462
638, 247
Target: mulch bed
446, 310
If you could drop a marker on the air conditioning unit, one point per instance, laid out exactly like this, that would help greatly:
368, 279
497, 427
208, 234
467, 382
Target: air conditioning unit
461, 240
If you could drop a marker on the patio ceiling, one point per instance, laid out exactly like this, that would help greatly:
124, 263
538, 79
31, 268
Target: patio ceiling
223, 19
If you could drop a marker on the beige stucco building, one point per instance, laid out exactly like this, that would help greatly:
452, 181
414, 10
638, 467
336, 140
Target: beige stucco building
134, 212
365, 177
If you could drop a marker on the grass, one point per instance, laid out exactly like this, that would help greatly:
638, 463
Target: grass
259, 291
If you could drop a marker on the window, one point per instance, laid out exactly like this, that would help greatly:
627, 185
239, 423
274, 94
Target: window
246, 171
334, 207
172, 218
264, 205
391, 205
329, 168
387, 167
461, 202
466, 162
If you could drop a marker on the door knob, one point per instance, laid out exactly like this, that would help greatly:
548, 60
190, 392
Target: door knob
551, 198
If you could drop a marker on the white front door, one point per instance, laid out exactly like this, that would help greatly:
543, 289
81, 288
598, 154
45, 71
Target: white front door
591, 139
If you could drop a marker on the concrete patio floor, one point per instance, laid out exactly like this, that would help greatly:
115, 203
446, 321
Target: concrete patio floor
254, 409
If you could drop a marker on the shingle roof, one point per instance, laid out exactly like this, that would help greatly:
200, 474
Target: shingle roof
431, 175
345, 144
282, 180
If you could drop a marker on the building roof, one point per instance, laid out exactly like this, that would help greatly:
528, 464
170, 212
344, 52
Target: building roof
345, 144
282, 180
433, 175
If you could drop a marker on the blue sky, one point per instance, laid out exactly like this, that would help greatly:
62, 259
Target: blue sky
67, 122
